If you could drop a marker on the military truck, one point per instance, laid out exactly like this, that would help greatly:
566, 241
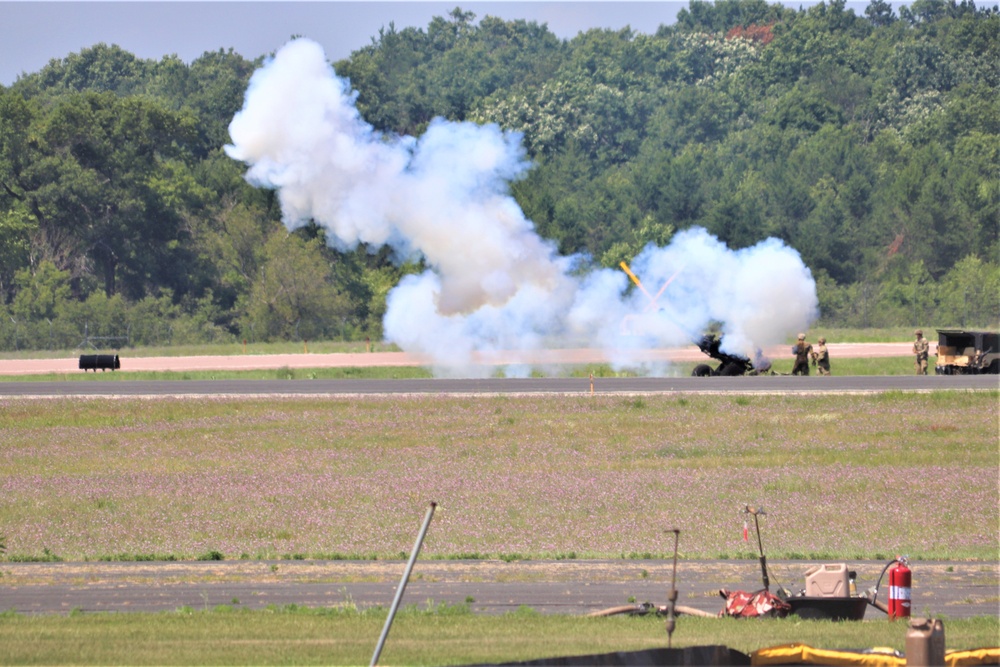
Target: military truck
962, 352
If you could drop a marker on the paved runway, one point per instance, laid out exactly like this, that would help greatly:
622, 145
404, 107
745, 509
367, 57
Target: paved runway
956, 590
750, 385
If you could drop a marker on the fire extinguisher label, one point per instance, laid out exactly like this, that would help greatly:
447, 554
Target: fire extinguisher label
899, 593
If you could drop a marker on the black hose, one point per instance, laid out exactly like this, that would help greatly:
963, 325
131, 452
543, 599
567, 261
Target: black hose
879, 582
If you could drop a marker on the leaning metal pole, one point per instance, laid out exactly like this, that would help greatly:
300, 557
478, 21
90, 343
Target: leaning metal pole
758, 511
402, 584
671, 610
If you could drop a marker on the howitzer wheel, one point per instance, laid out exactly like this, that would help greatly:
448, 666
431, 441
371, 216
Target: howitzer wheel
701, 371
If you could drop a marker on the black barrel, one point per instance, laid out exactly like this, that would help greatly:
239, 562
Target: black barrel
101, 361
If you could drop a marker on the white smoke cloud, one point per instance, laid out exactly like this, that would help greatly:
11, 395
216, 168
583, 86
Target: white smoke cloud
493, 284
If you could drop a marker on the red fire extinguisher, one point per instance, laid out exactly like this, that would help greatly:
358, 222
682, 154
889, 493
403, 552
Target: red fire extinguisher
899, 590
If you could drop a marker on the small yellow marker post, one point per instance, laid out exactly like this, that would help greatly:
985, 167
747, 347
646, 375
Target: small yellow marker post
591, 383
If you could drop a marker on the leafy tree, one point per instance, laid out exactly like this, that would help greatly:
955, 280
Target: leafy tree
722, 15
16, 229
920, 66
291, 297
98, 191
382, 74
867, 142
804, 109
880, 13
649, 232
970, 294
99, 68
16, 221
214, 90
41, 293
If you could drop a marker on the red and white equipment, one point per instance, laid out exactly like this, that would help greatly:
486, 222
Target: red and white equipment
899, 590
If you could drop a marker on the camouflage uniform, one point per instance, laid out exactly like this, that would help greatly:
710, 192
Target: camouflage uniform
821, 358
801, 350
921, 349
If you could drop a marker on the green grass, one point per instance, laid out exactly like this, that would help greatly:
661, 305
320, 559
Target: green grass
526, 476
439, 636
845, 335
225, 349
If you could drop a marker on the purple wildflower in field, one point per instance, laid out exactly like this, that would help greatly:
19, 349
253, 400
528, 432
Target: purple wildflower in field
552, 476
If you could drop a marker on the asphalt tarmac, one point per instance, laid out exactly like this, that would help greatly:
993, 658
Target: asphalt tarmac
940, 589
771, 384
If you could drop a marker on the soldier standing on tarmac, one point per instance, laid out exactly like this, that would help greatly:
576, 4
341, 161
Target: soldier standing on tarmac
821, 357
921, 349
801, 350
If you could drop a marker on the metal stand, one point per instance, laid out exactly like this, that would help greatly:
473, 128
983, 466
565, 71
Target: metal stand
671, 606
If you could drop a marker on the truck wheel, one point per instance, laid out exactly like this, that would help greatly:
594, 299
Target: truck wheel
701, 371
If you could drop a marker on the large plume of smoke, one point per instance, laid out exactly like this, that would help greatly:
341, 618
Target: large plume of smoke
492, 282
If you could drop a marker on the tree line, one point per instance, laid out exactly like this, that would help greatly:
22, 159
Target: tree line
870, 143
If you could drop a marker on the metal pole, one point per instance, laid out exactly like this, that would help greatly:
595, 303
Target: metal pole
671, 613
402, 583
763, 560
756, 511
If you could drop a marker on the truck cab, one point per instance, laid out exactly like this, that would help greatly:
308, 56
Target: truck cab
962, 352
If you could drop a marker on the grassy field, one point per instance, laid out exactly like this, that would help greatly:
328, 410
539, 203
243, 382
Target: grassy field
515, 477
285, 373
441, 637
217, 349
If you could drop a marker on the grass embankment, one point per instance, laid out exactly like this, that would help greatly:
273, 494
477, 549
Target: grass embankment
213, 350
284, 373
515, 477
442, 637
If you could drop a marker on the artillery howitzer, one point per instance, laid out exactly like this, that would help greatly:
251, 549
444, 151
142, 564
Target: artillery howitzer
730, 365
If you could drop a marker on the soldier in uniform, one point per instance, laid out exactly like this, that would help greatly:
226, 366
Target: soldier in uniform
801, 350
821, 357
921, 348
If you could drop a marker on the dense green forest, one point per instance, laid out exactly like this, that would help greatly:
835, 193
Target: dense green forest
869, 143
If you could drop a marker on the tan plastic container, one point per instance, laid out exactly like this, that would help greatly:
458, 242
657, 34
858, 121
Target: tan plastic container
828, 581
925, 643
